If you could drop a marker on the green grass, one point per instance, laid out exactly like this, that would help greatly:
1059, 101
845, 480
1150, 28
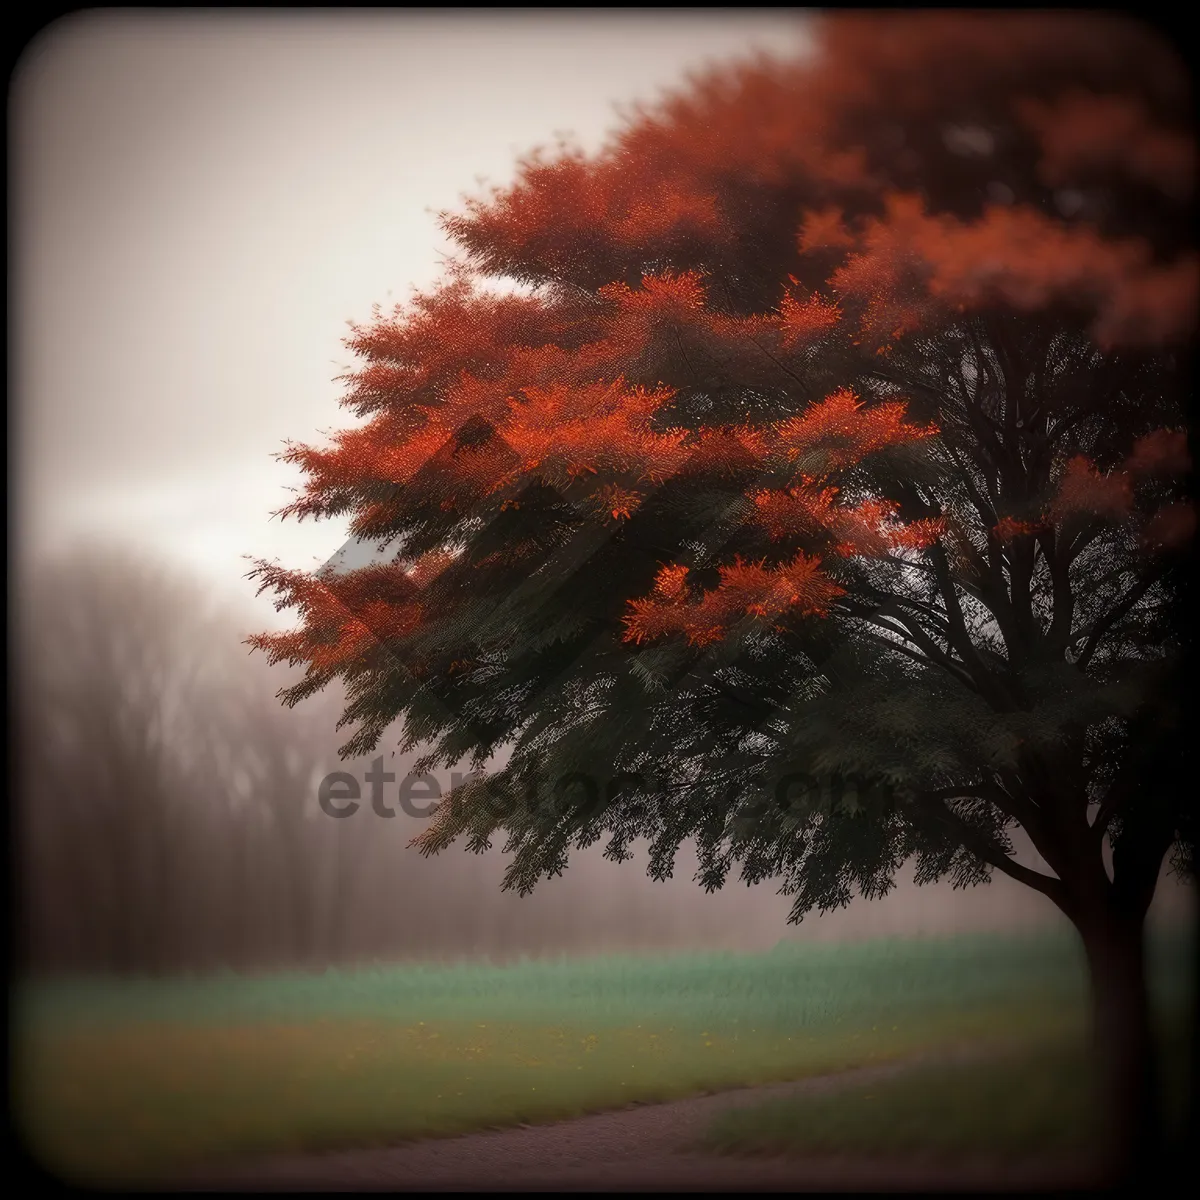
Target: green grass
795, 984
126, 1081
1038, 1101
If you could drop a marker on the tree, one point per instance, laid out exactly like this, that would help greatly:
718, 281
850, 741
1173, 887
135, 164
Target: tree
107, 690
834, 428
161, 792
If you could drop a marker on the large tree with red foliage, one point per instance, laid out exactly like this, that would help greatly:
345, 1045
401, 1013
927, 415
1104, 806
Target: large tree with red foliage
836, 431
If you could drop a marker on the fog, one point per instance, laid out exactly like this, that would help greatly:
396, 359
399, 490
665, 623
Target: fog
199, 203
169, 820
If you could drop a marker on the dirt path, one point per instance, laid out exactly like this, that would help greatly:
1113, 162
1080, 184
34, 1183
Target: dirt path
647, 1148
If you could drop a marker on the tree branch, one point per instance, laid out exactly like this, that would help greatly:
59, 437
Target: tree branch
915, 634
982, 847
961, 641
1101, 627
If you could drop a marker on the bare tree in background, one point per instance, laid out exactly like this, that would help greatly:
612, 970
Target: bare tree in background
105, 691
157, 787
168, 820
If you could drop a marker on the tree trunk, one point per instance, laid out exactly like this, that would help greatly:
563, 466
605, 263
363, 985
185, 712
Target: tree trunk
1130, 1100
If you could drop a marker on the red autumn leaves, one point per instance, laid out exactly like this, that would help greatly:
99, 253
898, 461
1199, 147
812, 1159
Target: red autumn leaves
756, 232
746, 590
1085, 135
552, 418
838, 432
607, 444
1085, 493
568, 415
909, 269
723, 171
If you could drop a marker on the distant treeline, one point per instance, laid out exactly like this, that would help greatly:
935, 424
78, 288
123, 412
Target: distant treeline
167, 812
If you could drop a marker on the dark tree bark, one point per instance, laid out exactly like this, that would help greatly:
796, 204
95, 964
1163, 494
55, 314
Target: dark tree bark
1131, 1125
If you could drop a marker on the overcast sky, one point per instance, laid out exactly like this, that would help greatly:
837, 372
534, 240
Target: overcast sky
201, 202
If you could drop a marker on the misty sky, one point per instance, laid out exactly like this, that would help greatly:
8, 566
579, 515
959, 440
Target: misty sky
201, 202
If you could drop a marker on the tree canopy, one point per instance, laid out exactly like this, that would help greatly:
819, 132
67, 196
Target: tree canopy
831, 427
836, 429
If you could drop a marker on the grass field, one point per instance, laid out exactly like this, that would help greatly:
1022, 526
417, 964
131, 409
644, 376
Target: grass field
1037, 1101
127, 1080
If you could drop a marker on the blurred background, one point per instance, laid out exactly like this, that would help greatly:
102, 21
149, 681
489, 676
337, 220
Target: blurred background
198, 208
